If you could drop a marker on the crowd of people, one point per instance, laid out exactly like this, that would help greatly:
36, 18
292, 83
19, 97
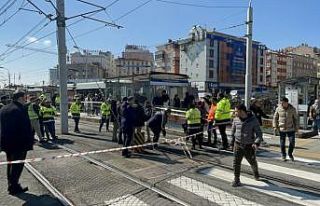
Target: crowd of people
21, 121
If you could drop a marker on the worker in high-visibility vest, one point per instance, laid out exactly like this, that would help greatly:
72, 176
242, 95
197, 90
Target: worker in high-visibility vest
223, 118
34, 116
105, 110
47, 112
193, 117
211, 118
57, 101
75, 109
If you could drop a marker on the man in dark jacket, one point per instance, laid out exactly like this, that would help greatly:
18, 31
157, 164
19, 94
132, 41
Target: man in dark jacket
127, 124
157, 124
246, 137
16, 139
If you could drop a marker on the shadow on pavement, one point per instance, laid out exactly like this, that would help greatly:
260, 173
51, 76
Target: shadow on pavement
34, 200
163, 159
85, 135
53, 146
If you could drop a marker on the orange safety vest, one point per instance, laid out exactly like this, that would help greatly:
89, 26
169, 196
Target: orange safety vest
212, 112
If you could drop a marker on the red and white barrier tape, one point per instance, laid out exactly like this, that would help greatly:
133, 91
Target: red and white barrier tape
39, 159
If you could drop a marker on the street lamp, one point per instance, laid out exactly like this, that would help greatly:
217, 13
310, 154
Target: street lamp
9, 81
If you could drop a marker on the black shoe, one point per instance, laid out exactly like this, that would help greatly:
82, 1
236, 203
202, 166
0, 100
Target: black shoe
236, 184
17, 190
284, 159
223, 148
292, 158
257, 177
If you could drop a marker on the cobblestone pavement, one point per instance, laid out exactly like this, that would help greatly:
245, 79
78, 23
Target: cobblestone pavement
85, 183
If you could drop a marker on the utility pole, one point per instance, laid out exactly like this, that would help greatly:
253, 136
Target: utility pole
62, 55
248, 80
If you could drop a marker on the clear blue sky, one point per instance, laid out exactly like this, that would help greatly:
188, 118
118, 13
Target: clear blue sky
277, 23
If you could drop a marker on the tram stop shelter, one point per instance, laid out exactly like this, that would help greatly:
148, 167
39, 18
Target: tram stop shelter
148, 85
301, 92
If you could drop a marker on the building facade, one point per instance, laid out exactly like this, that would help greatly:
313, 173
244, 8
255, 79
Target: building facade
215, 60
85, 71
53, 76
278, 67
104, 60
134, 60
167, 57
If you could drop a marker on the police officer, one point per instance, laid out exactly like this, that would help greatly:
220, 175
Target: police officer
75, 109
34, 116
47, 112
105, 110
193, 117
223, 118
15, 139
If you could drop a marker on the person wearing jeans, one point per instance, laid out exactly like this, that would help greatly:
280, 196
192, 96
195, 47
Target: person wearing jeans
291, 136
286, 122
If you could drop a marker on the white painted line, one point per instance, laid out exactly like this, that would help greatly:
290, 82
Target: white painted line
125, 200
268, 189
209, 193
288, 171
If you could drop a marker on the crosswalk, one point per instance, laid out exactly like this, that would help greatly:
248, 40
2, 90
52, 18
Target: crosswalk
126, 200
209, 193
284, 193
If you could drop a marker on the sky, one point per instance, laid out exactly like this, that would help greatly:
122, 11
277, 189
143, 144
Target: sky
277, 24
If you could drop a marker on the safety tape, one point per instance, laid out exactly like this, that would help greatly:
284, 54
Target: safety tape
40, 159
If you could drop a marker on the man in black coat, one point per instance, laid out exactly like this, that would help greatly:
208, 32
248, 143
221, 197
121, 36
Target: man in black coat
15, 139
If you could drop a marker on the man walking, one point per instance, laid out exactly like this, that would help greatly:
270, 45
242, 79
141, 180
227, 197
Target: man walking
315, 115
246, 137
75, 109
222, 118
47, 113
286, 122
34, 116
15, 139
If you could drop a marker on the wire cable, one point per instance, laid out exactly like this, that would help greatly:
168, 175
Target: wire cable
15, 13
22, 38
8, 7
133, 10
199, 5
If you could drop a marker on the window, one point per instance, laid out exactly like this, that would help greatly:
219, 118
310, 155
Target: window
211, 74
210, 63
261, 61
261, 69
261, 78
211, 42
211, 53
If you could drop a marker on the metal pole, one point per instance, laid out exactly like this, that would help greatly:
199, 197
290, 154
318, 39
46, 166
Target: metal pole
62, 51
248, 83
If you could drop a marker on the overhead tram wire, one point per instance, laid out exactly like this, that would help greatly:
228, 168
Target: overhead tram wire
15, 13
133, 10
5, 4
200, 5
76, 22
7, 52
8, 7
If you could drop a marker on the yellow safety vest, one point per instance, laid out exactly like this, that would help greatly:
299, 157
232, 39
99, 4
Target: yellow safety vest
105, 109
75, 109
32, 114
47, 112
223, 111
193, 116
